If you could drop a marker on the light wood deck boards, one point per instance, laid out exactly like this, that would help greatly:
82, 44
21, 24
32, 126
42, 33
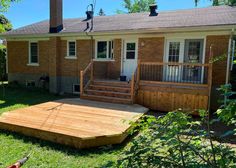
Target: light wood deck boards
74, 122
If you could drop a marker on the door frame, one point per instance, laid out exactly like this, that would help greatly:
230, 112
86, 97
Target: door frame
182, 39
123, 51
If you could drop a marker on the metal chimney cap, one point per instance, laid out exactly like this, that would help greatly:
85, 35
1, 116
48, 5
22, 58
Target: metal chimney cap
153, 8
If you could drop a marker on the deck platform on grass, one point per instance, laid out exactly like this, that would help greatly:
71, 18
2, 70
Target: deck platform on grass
74, 122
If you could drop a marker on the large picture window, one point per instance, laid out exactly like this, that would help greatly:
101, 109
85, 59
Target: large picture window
104, 50
33, 53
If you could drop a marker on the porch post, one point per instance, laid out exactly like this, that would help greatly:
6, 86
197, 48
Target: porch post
210, 77
138, 70
81, 83
92, 68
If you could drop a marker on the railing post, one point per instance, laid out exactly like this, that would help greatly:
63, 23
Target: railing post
92, 68
132, 89
210, 77
138, 71
81, 82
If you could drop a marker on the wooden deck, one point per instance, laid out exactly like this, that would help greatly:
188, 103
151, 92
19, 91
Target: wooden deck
74, 122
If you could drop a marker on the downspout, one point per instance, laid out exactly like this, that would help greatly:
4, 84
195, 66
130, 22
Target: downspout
92, 45
229, 58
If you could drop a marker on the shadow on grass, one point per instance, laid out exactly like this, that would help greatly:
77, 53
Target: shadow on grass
15, 96
70, 151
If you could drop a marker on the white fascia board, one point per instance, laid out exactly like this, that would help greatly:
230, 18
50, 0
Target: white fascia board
126, 32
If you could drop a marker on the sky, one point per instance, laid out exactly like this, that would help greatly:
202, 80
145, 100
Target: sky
30, 11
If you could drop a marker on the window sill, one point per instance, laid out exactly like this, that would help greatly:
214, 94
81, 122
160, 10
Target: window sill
103, 60
71, 57
32, 64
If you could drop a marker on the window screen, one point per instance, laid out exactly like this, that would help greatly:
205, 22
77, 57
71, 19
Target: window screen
33, 52
130, 50
174, 51
102, 49
72, 49
105, 50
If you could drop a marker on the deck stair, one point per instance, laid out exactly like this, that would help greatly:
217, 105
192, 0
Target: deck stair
108, 91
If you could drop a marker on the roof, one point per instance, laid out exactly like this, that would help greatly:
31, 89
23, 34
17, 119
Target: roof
198, 17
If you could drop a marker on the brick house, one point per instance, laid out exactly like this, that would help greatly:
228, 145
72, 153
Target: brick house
162, 58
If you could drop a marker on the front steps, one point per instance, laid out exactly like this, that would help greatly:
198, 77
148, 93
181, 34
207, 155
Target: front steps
108, 91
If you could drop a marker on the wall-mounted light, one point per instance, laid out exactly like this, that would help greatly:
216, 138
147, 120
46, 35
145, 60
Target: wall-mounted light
142, 44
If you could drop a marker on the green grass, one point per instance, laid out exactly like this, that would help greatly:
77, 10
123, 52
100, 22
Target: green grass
45, 154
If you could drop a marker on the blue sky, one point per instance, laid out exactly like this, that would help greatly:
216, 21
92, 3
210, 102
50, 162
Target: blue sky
29, 11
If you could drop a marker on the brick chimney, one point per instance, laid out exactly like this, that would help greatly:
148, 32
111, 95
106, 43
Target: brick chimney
56, 16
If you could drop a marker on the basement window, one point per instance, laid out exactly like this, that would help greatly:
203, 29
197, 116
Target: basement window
30, 83
76, 88
71, 49
104, 50
33, 53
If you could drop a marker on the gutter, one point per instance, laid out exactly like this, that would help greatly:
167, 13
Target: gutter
129, 31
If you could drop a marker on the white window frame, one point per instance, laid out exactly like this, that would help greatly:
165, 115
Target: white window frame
68, 56
30, 63
182, 50
107, 53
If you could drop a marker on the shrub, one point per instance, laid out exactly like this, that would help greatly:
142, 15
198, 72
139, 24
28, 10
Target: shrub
176, 140
3, 74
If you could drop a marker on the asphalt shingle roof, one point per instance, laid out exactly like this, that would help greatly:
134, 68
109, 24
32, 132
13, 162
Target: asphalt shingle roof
199, 17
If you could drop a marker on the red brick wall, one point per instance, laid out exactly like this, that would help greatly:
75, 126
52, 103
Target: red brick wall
151, 49
219, 45
18, 57
72, 67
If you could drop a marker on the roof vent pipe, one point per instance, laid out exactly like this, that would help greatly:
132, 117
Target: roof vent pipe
153, 9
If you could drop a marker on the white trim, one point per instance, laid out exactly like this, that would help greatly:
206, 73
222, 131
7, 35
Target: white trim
103, 60
68, 56
71, 57
153, 30
228, 61
124, 48
182, 39
233, 54
6, 60
30, 63
122, 57
28, 39
107, 40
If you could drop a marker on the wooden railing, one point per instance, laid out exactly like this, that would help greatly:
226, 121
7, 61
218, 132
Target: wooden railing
135, 82
86, 77
189, 73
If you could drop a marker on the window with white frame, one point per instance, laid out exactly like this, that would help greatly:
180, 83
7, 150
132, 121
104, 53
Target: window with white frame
174, 52
104, 50
184, 51
33, 53
71, 49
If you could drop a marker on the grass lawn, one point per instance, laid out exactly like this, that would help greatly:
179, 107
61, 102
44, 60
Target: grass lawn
45, 154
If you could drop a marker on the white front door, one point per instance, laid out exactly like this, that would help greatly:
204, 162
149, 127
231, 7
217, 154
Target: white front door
130, 58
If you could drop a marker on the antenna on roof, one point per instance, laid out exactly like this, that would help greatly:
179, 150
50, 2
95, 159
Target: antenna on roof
90, 14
